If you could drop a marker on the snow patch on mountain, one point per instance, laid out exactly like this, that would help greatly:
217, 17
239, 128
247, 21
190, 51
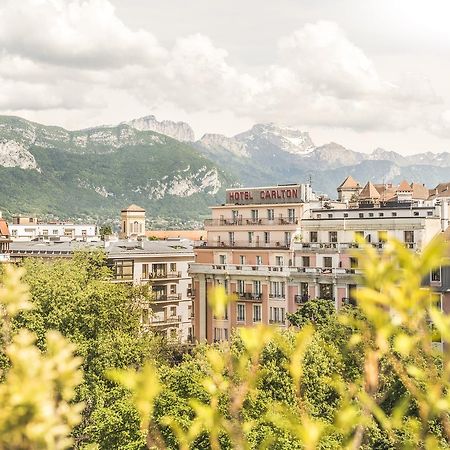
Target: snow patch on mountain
14, 154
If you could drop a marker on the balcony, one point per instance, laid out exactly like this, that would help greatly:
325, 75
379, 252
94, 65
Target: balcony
250, 222
277, 296
161, 276
301, 299
168, 298
167, 320
249, 296
277, 322
238, 269
242, 244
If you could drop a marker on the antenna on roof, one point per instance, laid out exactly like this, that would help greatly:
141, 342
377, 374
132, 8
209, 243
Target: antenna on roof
310, 180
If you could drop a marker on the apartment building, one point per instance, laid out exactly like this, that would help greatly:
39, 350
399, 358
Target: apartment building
30, 228
248, 250
162, 264
325, 250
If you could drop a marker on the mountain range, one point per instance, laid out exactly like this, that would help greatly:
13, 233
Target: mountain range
93, 173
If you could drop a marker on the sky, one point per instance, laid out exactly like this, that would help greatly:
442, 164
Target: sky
365, 74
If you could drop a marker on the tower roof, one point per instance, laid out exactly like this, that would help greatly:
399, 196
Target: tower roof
349, 182
133, 208
369, 192
404, 186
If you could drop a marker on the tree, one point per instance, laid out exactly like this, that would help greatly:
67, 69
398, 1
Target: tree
77, 298
105, 230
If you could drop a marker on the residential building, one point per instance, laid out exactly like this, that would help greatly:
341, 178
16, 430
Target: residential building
30, 228
161, 264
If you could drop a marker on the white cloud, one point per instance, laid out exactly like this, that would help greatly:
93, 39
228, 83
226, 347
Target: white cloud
78, 33
78, 54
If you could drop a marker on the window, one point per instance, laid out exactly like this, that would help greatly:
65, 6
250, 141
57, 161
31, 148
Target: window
254, 215
217, 334
270, 214
370, 214
330, 216
266, 237
291, 215
416, 213
160, 292
429, 213
45, 232
173, 288
235, 214
256, 313
351, 294
287, 238
345, 215
222, 259
359, 235
327, 261
231, 237
173, 267
380, 214
304, 292
435, 275
144, 271
278, 260
250, 237
408, 237
353, 262
242, 259
394, 214
305, 261
257, 287
258, 260
240, 287
326, 291
55, 232
382, 236
332, 235
159, 270
361, 215
277, 289
319, 215
240, 312
123, 269
313, 236
276, 315
190, 316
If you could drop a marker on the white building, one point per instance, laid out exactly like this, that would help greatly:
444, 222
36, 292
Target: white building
29, 228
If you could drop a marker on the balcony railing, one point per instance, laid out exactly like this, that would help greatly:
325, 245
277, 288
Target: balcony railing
273, 271
165, 320
168, 298
249, 296
277, 296
250, 221
277, 321
161, 275
243, 244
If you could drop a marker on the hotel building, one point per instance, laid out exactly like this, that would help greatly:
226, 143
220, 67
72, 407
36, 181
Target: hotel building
276, 250
248, 251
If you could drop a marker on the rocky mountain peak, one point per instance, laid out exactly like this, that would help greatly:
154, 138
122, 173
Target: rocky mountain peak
290, 140
180, 131
213, 141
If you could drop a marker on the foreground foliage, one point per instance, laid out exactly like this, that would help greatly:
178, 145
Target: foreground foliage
366, 377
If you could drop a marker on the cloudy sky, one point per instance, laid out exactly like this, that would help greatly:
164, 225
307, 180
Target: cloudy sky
366, 74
